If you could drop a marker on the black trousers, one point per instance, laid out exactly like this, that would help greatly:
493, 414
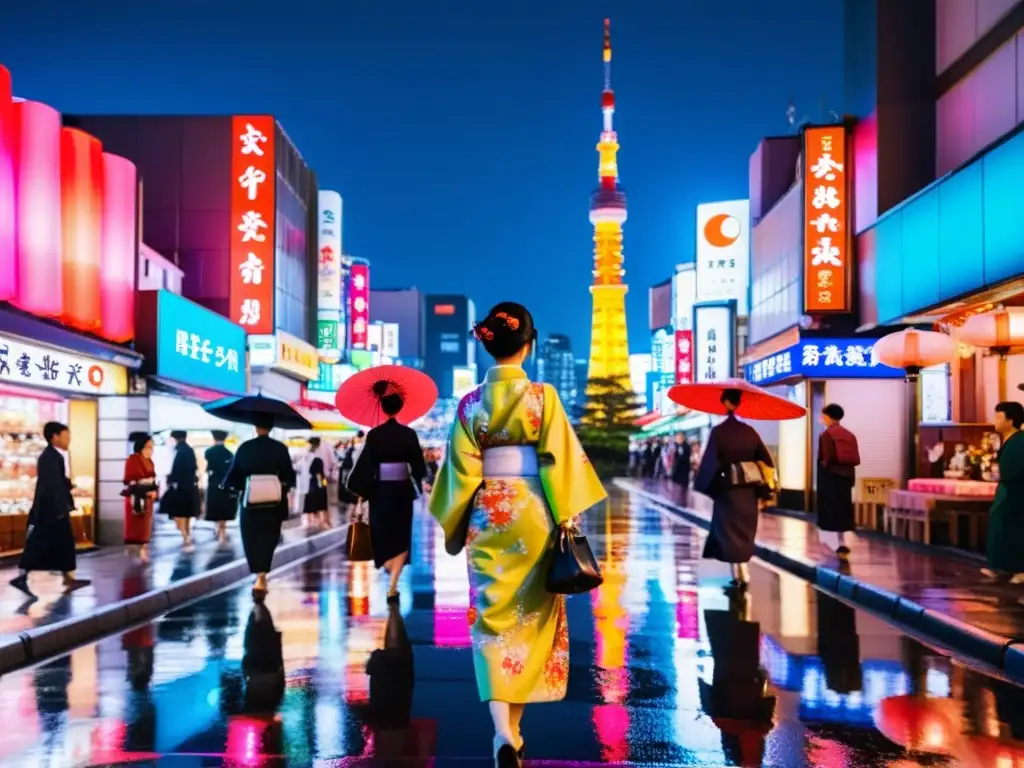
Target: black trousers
261, 532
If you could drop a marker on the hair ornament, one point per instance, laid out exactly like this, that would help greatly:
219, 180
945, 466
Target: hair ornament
512, 323
483, 333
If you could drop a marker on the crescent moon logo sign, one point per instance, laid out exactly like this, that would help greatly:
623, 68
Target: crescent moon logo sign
722, 230
95, 376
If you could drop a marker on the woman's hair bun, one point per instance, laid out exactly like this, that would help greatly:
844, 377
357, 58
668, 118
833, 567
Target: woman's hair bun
507, 328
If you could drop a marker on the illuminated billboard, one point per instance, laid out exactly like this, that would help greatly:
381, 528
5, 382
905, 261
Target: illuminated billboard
684, 296
253, 209
827, 284
723, 252
359, 304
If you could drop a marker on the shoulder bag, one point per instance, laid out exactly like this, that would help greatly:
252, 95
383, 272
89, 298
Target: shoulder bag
573, 568
745, 474
262, 491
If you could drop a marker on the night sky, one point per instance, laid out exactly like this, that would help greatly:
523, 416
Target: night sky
461, 133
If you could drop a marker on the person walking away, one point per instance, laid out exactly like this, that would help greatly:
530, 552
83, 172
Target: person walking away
330, 461
681, 466
221, 504
346, 498
50, 539
838, 459
432, 457
140, 492
263, 508
1006, 517
389, 473
181, 499
651, 452
514, 472
314, 503
734, 515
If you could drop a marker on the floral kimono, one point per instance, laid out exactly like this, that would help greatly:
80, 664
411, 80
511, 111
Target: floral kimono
519, 629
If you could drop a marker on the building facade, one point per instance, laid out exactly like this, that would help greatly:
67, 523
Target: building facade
556, 365
449, 352
406, 308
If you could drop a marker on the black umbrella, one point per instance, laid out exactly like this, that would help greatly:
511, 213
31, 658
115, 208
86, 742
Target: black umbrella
252, 408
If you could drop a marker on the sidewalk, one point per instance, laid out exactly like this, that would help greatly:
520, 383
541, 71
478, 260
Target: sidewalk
124, 592
939, 596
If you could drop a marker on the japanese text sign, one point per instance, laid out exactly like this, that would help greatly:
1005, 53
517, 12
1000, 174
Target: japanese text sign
253, 210
714, 342
684, 357
359, 309
198, 347
286, 353
329, 290
849, 358
826, 221
723, 252
25, 363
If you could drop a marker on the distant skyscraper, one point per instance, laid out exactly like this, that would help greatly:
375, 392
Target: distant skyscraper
404, 306
449, 352
557, 367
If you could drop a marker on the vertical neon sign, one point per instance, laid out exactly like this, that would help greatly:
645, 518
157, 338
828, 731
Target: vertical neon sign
253, 180
81, 190
359, 313
119, 249
8, 258
827, 281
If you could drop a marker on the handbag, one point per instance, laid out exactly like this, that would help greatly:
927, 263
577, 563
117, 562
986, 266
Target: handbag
357, 541
745, 474
573, 568
262, 491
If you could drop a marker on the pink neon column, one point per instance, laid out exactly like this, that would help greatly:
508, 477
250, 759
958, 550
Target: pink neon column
81, 189
8, 254
37, 190
120, 249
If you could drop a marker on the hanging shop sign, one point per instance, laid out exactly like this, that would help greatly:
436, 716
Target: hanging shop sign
849, 358
187, 343
359, 304
684, 296
286, 353
25, 363
826, 221
663, 362
684, 357
389, 340
253, 209
714, 333
327, 342
723, 252
329, 241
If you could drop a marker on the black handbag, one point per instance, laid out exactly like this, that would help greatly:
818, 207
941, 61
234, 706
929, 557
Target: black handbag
573, 567
357, 541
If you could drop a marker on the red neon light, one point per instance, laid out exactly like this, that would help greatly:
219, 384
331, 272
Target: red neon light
826, 221
8, 256
253, 181
37, 189
119, 249
359, 298
684, 357
81, 191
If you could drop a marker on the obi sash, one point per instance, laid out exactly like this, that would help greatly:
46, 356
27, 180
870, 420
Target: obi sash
510, 461
393, 472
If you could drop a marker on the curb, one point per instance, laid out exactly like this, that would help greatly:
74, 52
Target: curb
1004, 653
41, 643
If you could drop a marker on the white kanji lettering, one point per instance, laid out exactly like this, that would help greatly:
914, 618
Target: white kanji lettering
869, 355
205, 350
181, 342
252, 223
251, 141
250, 312
359, 326
825, 222
825, 253
194, 344
252, 270
811, 355
251, 180
219, 357
684, 345
770, 366
854, 356
833, 355
826, 167
786, 363
359, 281
359, 304
825, 197
232, 359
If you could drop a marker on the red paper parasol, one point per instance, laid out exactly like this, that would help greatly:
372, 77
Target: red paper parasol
358, 399
756, 403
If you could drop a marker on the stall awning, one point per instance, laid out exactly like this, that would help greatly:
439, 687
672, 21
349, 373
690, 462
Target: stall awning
648, 418
324, 417
672, 423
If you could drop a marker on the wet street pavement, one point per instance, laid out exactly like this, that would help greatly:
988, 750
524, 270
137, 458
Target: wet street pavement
667, 668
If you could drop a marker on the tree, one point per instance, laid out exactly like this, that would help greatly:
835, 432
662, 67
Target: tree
607, 420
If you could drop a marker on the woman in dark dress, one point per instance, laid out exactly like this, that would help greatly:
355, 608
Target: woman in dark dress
389, 473
181, 500
221, 505
348, 460
314, 505
734, 517
261, 523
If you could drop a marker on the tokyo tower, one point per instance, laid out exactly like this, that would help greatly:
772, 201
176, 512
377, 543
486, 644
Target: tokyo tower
609, 347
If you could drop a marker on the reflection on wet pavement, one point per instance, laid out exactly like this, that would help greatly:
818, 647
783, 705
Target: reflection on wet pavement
667, 668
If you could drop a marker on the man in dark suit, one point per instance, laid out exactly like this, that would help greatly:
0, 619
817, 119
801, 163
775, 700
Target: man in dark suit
681, 463
181, 501
50, 541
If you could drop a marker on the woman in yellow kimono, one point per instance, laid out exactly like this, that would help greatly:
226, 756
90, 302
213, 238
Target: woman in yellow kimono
514, 471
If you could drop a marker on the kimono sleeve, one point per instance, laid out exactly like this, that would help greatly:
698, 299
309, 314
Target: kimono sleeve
457, 481
363, 477
708, 471
570, 482
1011, 461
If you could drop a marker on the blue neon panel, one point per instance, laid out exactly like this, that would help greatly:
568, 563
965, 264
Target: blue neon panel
921, 251
961, 258
1003, 204
889, 267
